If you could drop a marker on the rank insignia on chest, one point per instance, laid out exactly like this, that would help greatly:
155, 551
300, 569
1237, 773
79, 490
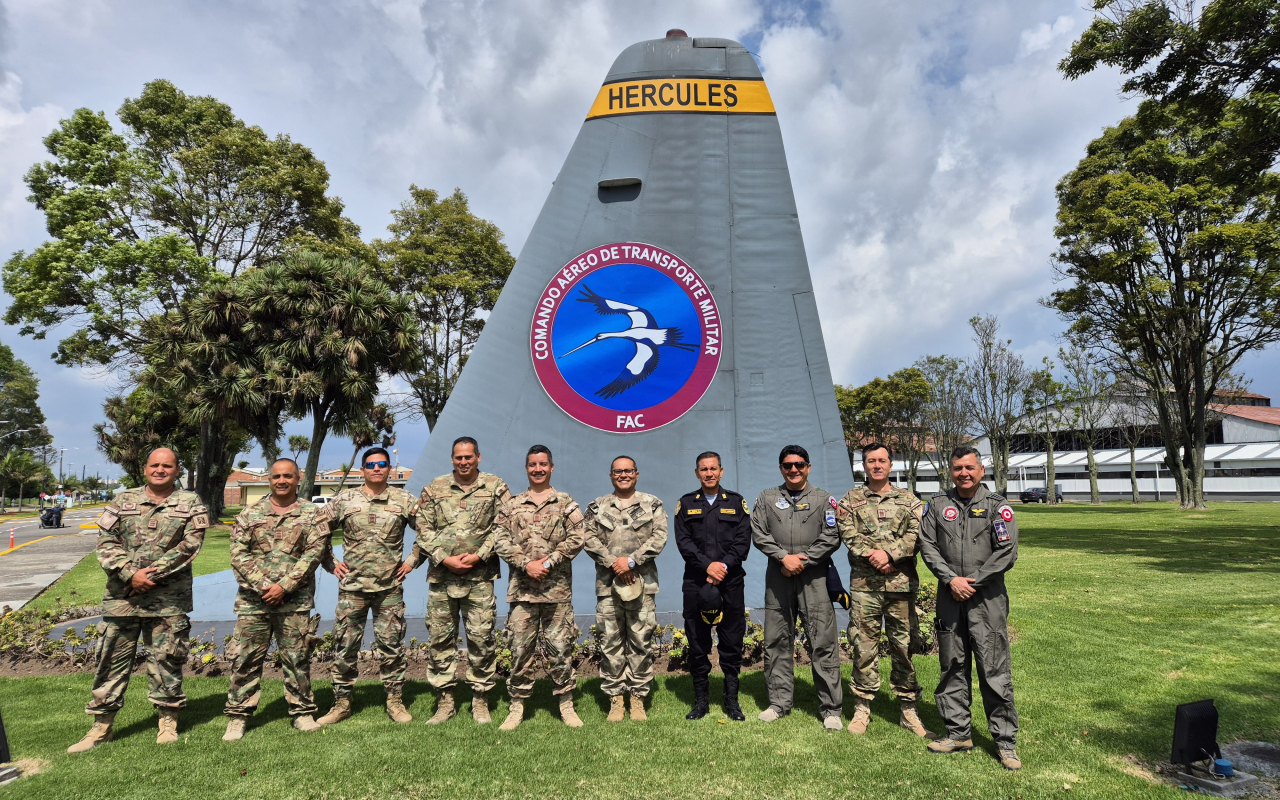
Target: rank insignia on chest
153, 524
977, 513
129, 507
183, 508
373, 518
882, 513
1002, 531
462, 504
950, 514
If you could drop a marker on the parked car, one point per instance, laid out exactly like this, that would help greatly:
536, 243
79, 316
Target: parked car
1037, 494
321, 500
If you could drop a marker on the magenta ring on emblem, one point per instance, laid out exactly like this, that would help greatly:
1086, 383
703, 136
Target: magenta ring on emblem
568, 284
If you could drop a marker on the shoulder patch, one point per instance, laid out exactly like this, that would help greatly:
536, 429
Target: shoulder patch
677, 506
834, 502
744, 506
575, 516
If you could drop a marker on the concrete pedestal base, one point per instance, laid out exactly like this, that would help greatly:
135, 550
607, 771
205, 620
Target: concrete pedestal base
1236, 786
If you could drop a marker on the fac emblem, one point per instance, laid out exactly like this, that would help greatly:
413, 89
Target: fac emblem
950, 514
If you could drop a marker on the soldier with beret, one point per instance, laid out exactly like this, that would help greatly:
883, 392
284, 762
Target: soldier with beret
713, 534
969, 540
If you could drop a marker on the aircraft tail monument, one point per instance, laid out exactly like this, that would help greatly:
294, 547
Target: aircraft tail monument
661, 305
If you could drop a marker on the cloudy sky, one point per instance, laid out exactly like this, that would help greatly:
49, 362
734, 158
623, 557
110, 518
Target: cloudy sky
924, 136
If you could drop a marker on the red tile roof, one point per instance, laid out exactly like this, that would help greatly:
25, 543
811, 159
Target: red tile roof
1267, 414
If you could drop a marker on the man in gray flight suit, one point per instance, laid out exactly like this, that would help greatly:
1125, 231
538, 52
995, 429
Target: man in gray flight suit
969, 539
794, 525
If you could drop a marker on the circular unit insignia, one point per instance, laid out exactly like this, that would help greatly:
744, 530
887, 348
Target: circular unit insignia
782, 504
626, 338
1006, 513
950, 514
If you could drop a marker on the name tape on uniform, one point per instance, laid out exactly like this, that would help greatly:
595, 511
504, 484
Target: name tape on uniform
682, 96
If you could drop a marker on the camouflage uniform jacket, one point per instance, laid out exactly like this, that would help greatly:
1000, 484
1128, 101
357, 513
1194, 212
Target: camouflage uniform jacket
453, 520
550, 530
890, 522
372, 536
637, 531
268, 547
136, 532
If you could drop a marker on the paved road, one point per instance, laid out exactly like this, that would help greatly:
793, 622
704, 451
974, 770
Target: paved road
37, 561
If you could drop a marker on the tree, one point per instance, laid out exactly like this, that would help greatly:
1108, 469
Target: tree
947, 412
887, 410
1090, 389
24, 422
378, 424
1171, 266
451, 266
336, 331
997, 380
1221, 61
299, 444
140, 422
24, 470
1044, 416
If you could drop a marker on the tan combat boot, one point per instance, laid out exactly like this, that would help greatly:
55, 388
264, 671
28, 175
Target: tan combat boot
396, 709
617, 708
567, 713
445, 708
861, 717
1009, 760
514, 717
637, 709
100, 732
911, 721
168, 726
235, 729
341, 710
480, 708
949, 745
306, 723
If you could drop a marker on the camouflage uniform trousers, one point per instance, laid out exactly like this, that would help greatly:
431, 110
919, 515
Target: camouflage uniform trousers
478, 609
866, 610
387, 608
555, 622
167, 639
626, 645
294, 633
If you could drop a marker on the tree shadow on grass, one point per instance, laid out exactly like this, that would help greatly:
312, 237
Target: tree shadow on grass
1182, 546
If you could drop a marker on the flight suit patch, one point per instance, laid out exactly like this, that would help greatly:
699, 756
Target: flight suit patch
977, 513
950, 514
1002, 532
802, 506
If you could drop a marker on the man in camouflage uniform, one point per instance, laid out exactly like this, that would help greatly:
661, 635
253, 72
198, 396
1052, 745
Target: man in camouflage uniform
147, 539
276, 545
456, 515
969, 540
625, 532
370, 581
539, 532
880, 524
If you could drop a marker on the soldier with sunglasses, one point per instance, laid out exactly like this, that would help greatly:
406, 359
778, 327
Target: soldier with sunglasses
794, 525
370, 581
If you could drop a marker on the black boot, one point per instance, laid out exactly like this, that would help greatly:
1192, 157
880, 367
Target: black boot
701, 697
731, 708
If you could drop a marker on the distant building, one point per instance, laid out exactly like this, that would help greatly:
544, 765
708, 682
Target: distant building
246, 487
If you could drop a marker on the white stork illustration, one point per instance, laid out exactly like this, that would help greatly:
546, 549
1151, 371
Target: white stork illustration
644, 333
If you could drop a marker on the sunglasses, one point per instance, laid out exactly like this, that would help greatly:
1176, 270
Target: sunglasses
794, 466
374, 464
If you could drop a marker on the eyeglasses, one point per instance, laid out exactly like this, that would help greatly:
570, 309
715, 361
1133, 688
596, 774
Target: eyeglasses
375, 464
794, 466
621, 472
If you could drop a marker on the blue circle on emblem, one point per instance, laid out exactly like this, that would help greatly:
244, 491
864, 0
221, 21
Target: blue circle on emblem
630, 341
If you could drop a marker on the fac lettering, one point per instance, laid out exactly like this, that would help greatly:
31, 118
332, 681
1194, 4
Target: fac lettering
628, 422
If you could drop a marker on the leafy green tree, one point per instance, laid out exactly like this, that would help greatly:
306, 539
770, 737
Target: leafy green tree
451, 266
1171, 266
24, 422
140, 422
1091, 390
19, 468
299, 444
888, 410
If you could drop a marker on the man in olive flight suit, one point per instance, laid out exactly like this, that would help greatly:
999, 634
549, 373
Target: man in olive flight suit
713, 534
456, 518
370, 582
794, 525
969, 539
147, 539
880, 524
276, 545
625, 532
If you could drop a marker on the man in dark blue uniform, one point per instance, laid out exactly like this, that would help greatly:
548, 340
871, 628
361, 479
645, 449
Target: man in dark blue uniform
713, 534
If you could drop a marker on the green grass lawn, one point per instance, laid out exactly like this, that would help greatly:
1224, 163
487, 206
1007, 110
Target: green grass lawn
1119, 612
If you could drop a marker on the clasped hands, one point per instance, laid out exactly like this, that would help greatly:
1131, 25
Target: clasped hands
962, 588
341, 569
881, 561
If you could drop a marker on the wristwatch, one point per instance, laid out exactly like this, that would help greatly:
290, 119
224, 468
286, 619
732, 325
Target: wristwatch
631, 563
